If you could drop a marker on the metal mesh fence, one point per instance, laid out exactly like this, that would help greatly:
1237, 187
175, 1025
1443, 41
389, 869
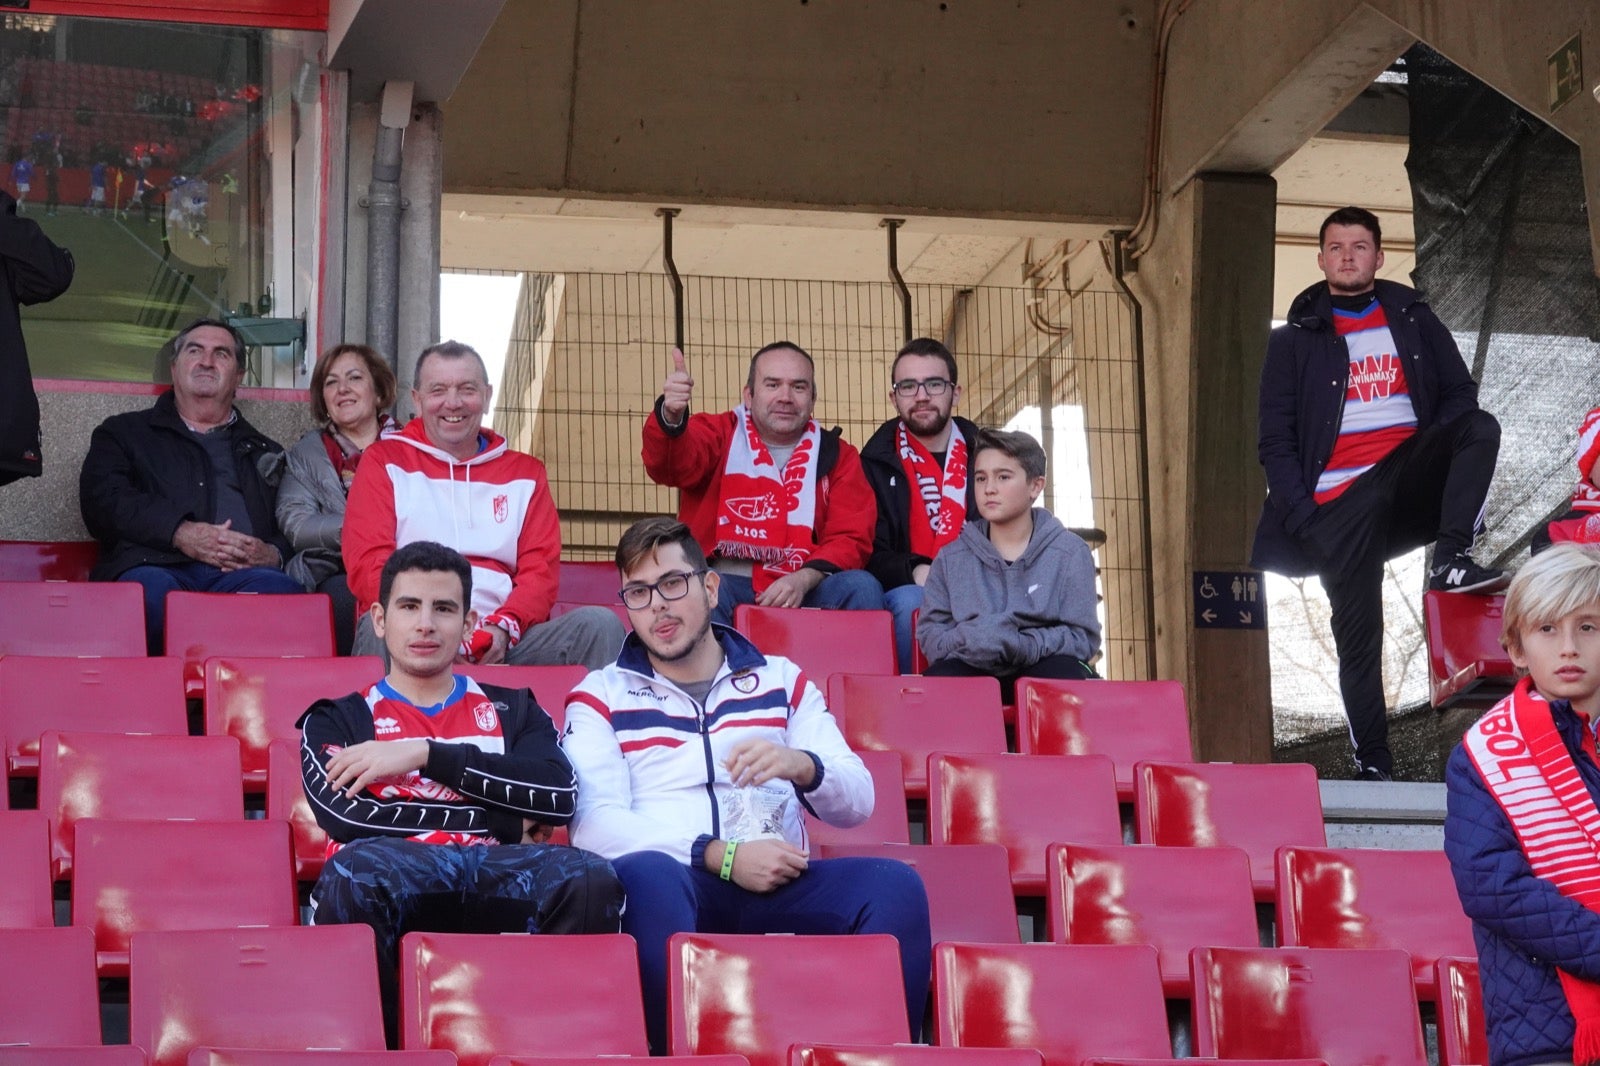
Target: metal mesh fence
588, 353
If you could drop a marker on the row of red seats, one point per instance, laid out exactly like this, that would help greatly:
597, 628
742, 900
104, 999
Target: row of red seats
258, 700
1466, 662
752, 996
254, 700
133, 875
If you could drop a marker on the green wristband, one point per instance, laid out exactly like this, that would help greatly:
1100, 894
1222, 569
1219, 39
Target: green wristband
727, 859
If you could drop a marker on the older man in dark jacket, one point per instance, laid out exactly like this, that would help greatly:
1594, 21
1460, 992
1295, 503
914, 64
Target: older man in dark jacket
181, 495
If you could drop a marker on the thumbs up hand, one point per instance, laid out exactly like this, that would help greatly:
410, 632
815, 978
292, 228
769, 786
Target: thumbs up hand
677, 389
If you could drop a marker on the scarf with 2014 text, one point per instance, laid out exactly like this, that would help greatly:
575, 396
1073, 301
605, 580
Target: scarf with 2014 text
942, 494
1525, 765
766, 515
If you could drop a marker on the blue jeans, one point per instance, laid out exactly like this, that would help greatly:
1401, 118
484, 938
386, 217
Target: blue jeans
833, 896
902, 602
197, 577
846, 590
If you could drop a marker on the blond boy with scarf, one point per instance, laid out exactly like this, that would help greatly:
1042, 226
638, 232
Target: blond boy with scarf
1523, 830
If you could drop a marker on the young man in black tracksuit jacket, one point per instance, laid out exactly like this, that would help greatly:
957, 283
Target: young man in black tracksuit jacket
439, 794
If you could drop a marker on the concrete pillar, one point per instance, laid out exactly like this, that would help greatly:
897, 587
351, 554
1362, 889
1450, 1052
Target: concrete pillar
1206, 286
420, 187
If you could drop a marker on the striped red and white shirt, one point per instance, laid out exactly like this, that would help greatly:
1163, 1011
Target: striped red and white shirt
1378, 415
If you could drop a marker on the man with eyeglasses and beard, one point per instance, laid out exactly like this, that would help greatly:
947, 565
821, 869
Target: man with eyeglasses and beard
695, 754
917, 465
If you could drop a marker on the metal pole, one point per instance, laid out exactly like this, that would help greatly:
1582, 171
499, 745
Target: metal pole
384, 205
893, 225
667, 214
1120, 267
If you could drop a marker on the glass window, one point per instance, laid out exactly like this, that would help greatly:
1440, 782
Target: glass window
164, 155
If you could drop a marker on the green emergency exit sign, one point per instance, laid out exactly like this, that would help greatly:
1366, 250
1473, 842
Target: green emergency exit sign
1566, 72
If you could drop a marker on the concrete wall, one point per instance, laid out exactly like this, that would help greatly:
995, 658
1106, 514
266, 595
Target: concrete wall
1014, 110
46, 508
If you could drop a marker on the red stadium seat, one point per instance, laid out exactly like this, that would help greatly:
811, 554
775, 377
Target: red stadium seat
550, 684
887, 824
25, 857
604, 1060
1256, 806
201, 625
588, 581
917, 716
289, 987
88, 696
1463, 1039
132, 876
1346, 1007
286, 802
468, 994
109, 775
90, 1055
1465, 659
910, 1055
47, 560
1130, 721
1097, 1061
256, 1057
258, 700
822, 643
969, 887
48, 987
1174, 899
1373, 898
1067, 1001
757, 995
1025, 802
72, 618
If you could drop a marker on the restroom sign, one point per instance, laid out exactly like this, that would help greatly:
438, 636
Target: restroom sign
1230, 599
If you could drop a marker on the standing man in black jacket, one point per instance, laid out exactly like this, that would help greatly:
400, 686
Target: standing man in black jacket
1373, 444
35, 271
183, 495
917, 465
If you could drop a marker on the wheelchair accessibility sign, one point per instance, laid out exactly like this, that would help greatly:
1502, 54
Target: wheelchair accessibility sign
1230, 599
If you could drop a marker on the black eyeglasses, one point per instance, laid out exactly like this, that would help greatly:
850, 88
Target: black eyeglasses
673, 586
908, 387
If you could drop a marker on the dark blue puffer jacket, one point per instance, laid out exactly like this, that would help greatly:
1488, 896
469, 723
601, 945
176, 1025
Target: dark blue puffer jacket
1524, 927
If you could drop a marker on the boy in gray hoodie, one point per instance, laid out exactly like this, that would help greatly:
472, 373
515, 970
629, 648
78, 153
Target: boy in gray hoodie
1014, 595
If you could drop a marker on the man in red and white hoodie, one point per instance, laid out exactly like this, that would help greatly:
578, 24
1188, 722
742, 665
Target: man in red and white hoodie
781, 508
446, 478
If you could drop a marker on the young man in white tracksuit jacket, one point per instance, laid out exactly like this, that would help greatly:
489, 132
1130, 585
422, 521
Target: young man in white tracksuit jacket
695, 755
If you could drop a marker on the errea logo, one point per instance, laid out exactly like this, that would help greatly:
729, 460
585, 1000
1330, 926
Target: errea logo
386, 725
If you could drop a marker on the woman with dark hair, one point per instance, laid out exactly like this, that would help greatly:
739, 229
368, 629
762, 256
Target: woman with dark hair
351, 389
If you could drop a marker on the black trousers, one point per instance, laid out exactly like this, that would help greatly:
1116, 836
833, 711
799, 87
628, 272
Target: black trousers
1431, 488
1062, 667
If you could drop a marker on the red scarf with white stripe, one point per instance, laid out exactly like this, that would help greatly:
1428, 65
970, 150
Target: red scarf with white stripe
1523, 762
942, 493
1586, 497
766, 515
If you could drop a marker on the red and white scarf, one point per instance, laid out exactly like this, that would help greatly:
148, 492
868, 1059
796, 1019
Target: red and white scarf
766, 515
1523, 762
942, 493
1586, 497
